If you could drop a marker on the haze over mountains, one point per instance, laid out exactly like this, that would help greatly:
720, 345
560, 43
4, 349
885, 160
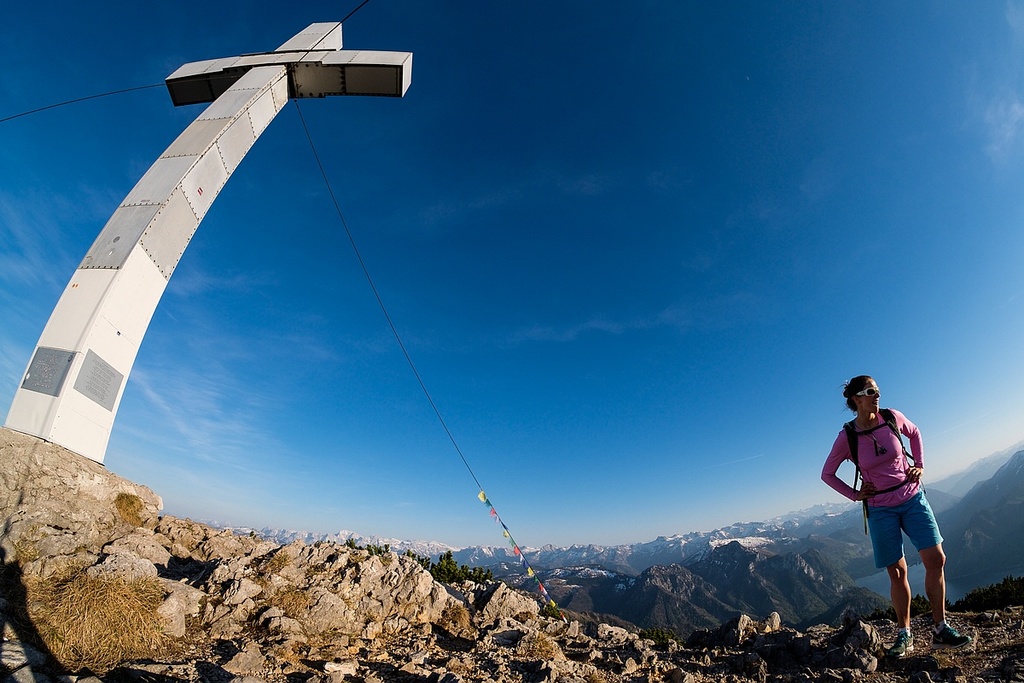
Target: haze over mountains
806, 565
633, 558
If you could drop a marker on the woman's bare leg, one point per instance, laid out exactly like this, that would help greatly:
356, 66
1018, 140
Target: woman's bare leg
899, 591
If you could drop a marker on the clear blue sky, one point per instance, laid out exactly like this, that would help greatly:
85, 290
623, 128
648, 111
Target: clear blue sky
634, 249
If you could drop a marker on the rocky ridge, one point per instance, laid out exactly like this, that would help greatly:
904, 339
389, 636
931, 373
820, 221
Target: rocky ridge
239, 608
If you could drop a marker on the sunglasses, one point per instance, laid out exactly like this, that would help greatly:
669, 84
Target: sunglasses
869, 391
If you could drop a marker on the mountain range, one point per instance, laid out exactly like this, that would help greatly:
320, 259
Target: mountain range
805, 566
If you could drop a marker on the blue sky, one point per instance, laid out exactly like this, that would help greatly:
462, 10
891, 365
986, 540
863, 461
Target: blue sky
633, 250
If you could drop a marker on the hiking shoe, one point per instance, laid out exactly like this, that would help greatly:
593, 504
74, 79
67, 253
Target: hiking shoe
903, 646
949, 639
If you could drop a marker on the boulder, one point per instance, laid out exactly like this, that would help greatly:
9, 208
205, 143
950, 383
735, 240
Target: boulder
124, 566
498, 601
181, 601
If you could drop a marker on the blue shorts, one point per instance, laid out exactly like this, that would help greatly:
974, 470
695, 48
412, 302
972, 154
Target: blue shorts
888, 524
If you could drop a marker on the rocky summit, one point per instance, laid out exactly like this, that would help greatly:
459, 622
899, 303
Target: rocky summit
99, 586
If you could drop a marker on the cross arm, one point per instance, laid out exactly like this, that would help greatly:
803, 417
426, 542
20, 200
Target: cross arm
317, 67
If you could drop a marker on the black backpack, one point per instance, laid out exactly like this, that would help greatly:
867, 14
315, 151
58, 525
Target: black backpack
851, 437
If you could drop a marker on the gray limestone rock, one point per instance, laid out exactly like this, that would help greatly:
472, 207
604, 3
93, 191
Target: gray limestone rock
15, 655
181, 601
123, 565
250, 660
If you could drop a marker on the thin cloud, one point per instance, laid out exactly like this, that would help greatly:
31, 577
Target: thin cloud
571, 333
1015, 18
35, 252
191, 282
445, 210
584, 185
1004, 119
13, 361
720, 313
727, 463
723, 312
588, 185
1004, 114
196, 408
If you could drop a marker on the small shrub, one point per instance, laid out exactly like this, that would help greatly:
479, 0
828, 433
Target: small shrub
1006, 593
478, 574
97, 622
316, 569
538, 646
279, 561
129, 507
660, 636
455, 617
447, 570
550, 609
292, 600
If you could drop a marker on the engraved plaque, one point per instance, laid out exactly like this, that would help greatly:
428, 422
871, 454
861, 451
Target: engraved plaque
48, 370
99, 380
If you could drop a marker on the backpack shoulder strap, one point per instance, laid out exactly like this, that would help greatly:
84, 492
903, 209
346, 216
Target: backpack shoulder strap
851, 437
890, 419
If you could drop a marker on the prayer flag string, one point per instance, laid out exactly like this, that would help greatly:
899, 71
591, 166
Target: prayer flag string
517, 551
405, 351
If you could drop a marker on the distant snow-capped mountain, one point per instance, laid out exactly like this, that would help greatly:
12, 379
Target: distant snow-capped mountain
634, 558
431, 549
628, 559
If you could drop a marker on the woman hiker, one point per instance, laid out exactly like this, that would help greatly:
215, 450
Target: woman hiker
894, 503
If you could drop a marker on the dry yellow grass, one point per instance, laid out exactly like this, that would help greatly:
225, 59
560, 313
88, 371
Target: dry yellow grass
129, 507
277, 562
455, 617
538, 646
25, 551
292, 600
97, 622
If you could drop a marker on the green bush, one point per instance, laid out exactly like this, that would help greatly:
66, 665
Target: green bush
1009, 591
371, 549
660, 636
447, 570
550, 609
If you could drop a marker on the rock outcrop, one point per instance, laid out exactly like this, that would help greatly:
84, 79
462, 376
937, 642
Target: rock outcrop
224, 607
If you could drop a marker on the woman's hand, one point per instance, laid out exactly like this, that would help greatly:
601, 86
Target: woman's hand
866, 491
915, 474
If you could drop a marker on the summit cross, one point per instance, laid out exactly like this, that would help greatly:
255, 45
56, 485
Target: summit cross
72, 388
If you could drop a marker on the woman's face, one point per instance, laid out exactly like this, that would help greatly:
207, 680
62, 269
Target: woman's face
867, 398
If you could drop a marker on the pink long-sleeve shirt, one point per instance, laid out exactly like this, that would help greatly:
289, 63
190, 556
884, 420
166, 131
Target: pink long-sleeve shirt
883, 469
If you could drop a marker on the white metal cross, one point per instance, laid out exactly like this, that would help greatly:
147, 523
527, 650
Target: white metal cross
72, 388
